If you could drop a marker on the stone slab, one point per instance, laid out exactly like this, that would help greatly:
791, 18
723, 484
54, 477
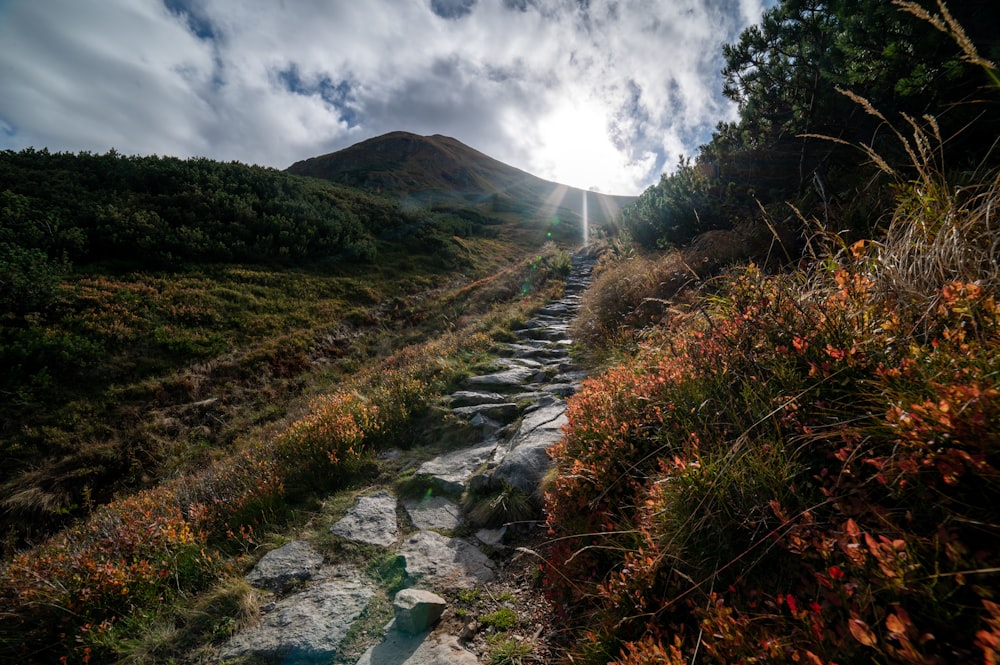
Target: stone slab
445, 563
401, 649
454, 469
307, 627
372, 520
434, 512
291, 563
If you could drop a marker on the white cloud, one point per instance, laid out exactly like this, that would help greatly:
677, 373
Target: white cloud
589, 93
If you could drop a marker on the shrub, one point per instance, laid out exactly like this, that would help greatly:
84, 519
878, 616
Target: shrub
802, 469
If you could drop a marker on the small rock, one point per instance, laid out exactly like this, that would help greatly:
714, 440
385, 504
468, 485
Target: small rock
491, 537
417, 611
469, 631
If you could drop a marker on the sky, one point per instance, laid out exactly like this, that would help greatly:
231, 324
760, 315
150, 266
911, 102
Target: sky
596, 94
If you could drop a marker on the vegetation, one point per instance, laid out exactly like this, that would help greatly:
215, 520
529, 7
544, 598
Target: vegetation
790, 456
178, 337
787, 74
798, 465
154, 308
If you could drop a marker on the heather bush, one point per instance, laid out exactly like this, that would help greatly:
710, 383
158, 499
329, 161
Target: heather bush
802, 468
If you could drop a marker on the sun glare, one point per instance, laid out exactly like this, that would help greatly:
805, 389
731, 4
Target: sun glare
576, 149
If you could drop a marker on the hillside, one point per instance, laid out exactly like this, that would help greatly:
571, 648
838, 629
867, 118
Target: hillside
439, 170
135, 287
786, 448
174, 332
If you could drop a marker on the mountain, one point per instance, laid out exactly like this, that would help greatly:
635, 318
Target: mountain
439, 170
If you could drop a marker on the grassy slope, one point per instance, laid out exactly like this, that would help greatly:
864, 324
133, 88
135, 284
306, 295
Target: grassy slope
162, 412
150, 356
801, 467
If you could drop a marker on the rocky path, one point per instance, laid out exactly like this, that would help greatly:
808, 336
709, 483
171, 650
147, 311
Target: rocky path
520, 409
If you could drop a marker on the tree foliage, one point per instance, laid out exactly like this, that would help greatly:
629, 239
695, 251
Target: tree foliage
786, 74
163, 212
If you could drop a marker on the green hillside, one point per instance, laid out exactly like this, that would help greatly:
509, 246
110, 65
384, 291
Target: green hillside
135, 288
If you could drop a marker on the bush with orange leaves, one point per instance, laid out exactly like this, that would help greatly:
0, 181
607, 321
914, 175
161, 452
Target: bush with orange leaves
799, 470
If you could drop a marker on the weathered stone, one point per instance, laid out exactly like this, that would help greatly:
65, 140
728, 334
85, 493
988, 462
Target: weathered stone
572, 376
507, 378
551, 414
454, 469
492, 537
511, 363
526, 461
306, 627
474, 397
561, 389
448, 563
291, 563
401, 649
372, 520
434, 512
505, 412
416, 611
546, 333
525, 466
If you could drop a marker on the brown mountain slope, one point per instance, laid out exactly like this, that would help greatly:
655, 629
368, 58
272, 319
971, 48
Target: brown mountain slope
439, 170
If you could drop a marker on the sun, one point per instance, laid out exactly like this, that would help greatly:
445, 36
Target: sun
575, 148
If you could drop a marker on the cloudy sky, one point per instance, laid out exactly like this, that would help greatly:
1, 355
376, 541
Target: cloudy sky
591, 93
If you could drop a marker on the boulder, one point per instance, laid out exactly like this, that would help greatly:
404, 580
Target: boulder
416, 611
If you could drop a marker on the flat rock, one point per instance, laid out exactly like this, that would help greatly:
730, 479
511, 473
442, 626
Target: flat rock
447, 563
372, 520
416, 610
401, 649
511, 363
307, 627
526, 460
514, 376
505, 412
454, 469
561, 389
293, 562
550, 414
474, 397
434, 512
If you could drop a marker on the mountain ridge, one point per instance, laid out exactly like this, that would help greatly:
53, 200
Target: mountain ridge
439, 170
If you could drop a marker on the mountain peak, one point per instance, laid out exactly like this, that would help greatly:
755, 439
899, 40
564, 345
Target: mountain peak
438, 168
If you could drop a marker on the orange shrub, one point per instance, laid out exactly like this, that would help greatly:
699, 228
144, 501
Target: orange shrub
791, 475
